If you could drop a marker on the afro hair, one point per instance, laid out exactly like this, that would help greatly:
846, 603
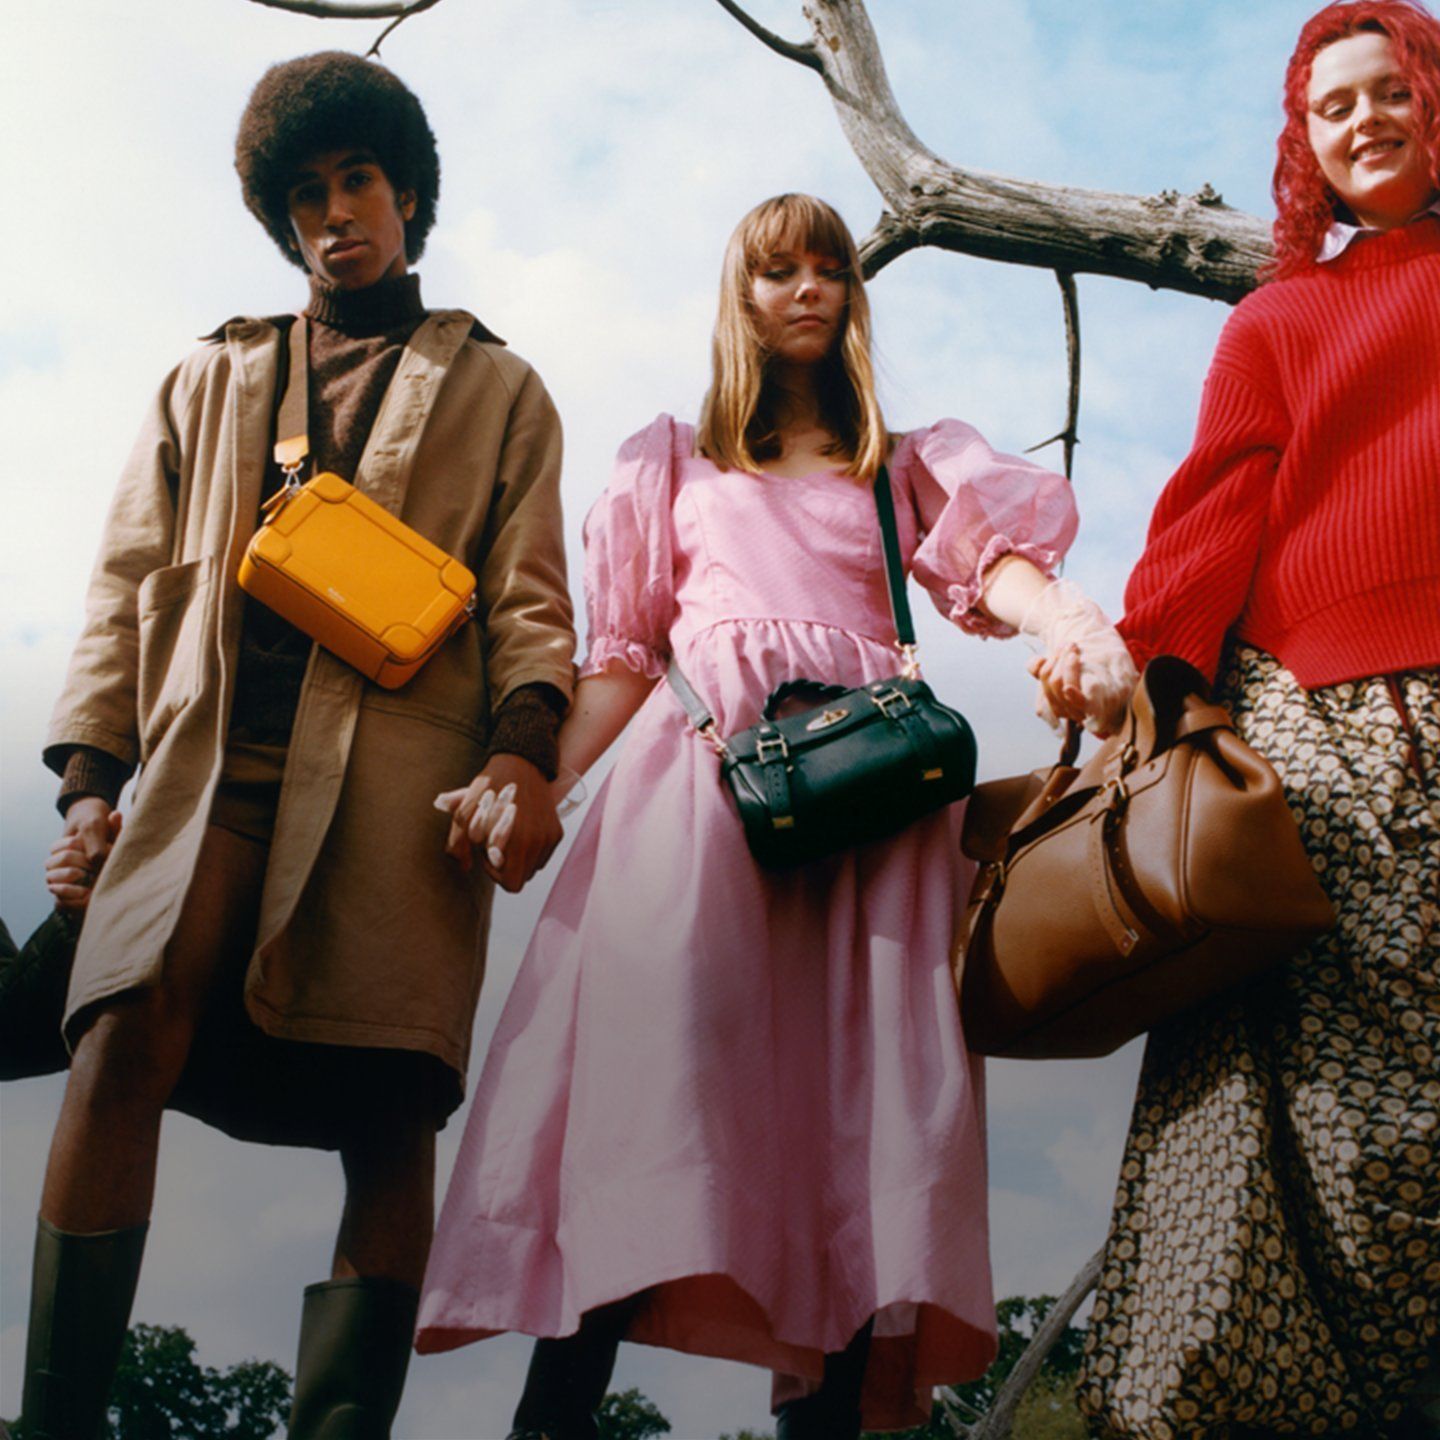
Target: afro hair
331, 101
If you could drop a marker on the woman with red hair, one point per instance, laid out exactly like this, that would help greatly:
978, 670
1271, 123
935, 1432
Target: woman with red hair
1274, 1262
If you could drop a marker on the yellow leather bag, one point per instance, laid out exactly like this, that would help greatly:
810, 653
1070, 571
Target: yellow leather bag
341, 568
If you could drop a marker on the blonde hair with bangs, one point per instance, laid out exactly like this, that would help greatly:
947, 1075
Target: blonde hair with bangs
738, 428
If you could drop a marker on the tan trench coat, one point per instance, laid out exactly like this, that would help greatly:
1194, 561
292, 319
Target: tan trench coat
368, 934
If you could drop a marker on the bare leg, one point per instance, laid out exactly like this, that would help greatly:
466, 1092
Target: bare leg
101, 1172
389, 1198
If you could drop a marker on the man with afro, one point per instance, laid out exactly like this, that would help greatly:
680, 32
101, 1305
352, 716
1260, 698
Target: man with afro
287, 936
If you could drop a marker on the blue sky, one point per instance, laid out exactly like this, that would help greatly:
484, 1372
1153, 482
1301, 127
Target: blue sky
596, 154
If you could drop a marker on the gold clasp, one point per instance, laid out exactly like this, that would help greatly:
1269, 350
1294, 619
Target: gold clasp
911, 668
708, 732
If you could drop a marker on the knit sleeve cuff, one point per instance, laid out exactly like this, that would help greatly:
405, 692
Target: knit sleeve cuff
89, 771
527, 724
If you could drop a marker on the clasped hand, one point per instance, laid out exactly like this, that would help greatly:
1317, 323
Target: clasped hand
1085, 673
507, 814
76, 858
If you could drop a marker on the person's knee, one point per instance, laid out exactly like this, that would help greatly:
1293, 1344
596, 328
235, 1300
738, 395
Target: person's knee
134, 1048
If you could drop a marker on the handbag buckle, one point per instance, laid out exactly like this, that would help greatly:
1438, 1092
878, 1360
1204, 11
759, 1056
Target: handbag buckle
884, 699
774, 743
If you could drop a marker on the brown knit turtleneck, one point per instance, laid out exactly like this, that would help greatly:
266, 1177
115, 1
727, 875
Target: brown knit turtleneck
355, 342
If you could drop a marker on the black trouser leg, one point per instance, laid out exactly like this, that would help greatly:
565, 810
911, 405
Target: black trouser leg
833, 1411
80, 1298
568, 1376
355, 1339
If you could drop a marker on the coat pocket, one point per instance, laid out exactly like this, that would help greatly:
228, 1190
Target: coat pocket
171, 606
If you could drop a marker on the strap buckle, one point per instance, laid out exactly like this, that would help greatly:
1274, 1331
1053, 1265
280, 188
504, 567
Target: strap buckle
886, 699
776, 744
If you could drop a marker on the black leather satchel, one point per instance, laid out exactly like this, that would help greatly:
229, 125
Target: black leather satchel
860, 765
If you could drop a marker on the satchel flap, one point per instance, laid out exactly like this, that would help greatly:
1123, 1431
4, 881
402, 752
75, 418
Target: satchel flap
849, 711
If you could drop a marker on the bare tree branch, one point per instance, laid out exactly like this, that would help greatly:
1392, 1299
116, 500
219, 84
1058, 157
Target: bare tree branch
346, 9
890, 238
1000, 1418
414, 8
1195, 244
1071, 433
800, 54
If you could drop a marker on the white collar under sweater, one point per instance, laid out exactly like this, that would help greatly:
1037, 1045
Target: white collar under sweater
1339, 236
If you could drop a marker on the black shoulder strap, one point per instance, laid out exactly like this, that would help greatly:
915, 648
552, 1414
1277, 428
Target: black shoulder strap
894, 569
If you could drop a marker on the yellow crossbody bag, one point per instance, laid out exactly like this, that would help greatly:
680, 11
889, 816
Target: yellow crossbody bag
343, 569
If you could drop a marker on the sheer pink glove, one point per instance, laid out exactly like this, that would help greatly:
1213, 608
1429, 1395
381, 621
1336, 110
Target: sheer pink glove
1085, 672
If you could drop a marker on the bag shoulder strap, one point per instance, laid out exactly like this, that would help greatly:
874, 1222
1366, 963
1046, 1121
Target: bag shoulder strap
695, 707
894, 569
292, 399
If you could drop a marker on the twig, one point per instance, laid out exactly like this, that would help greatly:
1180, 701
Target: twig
414, 8
1071, 433
343, 9
800, 54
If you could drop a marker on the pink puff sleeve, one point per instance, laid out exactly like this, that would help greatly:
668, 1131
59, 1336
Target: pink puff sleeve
629, 557
975, 505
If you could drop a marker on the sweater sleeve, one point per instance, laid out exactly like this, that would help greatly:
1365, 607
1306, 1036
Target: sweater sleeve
1191, 582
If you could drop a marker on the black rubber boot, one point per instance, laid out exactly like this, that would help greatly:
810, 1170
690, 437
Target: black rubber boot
81, 1290
355, 1340
833, 1411
568, 1377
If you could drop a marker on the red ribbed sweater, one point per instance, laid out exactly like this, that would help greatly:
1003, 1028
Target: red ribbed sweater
1307, 516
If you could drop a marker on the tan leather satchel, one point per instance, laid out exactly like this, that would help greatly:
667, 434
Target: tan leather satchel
1165, 870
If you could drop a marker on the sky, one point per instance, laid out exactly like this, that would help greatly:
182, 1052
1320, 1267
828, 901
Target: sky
596, 154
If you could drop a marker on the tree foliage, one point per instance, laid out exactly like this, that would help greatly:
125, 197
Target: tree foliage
630, 1415
162, 1392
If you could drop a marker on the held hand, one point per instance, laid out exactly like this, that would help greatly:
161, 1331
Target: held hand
76, 858
507, 808
1086, 673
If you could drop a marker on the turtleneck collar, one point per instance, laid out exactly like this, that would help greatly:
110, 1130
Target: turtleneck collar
371, 311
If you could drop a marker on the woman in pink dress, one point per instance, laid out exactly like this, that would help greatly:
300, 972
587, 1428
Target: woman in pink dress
731, 1111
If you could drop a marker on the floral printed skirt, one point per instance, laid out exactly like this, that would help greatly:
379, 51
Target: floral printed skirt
1273, 1263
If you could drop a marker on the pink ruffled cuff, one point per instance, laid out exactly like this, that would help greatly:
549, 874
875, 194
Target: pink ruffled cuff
964, 598
640, 658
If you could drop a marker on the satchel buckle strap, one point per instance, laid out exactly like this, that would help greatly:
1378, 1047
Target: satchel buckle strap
887, 698
770, 748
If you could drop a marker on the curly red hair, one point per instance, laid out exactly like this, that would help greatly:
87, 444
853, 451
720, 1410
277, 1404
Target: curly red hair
1305, 205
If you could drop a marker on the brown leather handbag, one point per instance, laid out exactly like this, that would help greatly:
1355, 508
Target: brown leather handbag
1165, 870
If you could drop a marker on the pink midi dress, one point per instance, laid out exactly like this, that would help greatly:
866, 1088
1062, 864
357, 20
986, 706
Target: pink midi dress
747, 1093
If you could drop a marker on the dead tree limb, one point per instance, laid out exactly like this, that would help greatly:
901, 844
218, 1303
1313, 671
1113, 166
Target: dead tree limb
1196, 244
1000, 1417
800, 54
414, 8
348, 9
1070, 435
